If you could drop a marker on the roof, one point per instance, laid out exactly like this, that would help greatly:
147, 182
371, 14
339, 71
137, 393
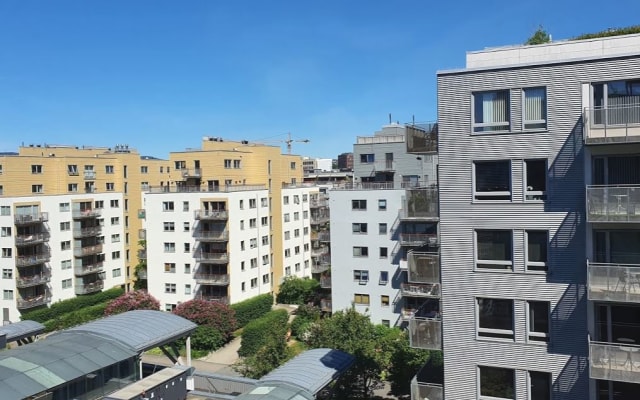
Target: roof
139, 330
311, 370
21, 330
278, 391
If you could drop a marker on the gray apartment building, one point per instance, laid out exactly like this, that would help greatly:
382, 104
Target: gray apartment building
539, 178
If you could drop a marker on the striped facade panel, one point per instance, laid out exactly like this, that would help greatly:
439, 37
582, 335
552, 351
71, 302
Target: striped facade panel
562, 214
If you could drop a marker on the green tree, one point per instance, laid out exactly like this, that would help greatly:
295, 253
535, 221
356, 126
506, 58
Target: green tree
540, 36
405, 363
136, 300
269, 357
296, 290
140, 269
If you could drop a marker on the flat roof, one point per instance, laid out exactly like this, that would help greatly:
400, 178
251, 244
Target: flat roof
21, 330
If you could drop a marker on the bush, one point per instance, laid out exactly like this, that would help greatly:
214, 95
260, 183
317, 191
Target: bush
300, 327
78, 317
71, 305
252, 309
296, 290
305, 316
260, 332
206, 338
136, 300
213, 314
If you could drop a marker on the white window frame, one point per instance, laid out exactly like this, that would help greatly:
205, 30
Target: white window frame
479, 389
535, 264
511, 332
536, 121
477, 196
543, 338
475, 125
497, 263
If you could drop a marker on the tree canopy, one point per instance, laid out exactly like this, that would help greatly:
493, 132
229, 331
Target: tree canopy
540, 36
294, 290
135, 300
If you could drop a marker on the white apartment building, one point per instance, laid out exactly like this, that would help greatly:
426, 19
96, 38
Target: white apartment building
59, 246
296, 230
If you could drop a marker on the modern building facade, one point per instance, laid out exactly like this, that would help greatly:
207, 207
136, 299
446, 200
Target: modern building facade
537, 291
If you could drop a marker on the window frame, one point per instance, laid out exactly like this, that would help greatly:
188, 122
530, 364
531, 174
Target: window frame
550, 387
542, 194
498, 265
477, 128
479, 383
538, 266
544, 121
536, 337
494, 334
357, 228
361, 276
356, 205
367, 158
361, 255
361, 297
478, 196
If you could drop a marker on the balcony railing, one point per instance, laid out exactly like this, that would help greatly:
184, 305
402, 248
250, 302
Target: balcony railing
211, 215
422, 138
87, 232
319, 268
34, 259
325, 305
90, 287
423, 267
620, 124
423, 390
33, 280
34, 301
80, 270
320, 251
325, 282
206, 189
87, 250
142, 234
319, 219
142, 254
191, 172
32, 238
324, 236
613, 203
318, 203
89, 175
34, 218
614, 362
142, 273
218, 299
212, 279
89, 213
425, 333
613, 282
420, 290
211, 236
420, 204
418, 239
211, 258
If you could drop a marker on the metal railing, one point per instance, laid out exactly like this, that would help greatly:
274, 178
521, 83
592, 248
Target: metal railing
87, 250
80, 270
420, 290
33, 259
423, 267
319, 268
89, 287
422, 138
33, 218
213, 215
319, 219
206, 189
34, 301
325, 282
613, 282
614, 362
32, 238
379, 139
142, 234
420, 204
613, 203
318, 203
191, 172
142, 254
86, 232
212, 258
33, 280
325, 305
142, 273
88, 213
218, 299
319, 251
324, 236
89, 175
212, 279
417, 239
425, 333
618, 124
213, 236
224, 385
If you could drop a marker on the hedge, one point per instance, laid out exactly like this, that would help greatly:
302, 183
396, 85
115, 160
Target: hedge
77, 317
257, 333
71, 305
252, 309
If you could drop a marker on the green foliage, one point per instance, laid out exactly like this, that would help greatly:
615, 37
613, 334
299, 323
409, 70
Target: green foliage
305, 316
217, 315
252, 308
629, 30
296, 290
80, 316
206, 338
71, 305
540, 36
263, 331
271, 355
405, 363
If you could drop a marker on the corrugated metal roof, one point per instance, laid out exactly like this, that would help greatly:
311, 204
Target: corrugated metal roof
140, 330
311, 370
21, 330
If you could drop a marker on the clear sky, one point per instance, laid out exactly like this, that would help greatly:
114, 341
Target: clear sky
158, 75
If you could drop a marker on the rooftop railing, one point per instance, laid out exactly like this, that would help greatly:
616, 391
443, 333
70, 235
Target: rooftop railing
613, 203
206, 189
379, 139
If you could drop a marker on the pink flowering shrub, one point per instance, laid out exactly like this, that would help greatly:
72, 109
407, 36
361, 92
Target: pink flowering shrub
136, 300
216, 315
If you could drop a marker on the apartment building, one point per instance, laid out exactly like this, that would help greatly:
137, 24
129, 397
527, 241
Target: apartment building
539, 300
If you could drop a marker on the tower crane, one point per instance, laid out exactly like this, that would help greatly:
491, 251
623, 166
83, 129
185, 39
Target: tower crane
289, 141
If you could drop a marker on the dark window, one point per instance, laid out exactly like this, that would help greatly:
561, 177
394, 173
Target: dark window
534, 113
494, 249
495, 318
358, 204
540, 385
497, 382
536, 179
537, 244
538, 321
492, 180
367, 158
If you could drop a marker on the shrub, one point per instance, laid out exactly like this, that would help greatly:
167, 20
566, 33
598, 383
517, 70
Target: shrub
78, 317
71, 305
260, 332
206, 338
253, 308
209, 313
296, 290
136, 300
305, 316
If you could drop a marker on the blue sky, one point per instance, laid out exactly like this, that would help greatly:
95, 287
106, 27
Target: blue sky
158, 75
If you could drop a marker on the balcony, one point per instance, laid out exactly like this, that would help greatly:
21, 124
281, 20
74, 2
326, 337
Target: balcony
211, 258
142, 254
88, 213
423, 267
35, 301
87, 232
325, 282
613, 203
318, 203
211, 215
218, 299
32, 238
89, 287
142, 213
29, 219
325, 305
87, 250
320, 251
191, 172
425, 333
89, 175
319, 219
417, 239
420, 204
423, 390
142, 234
33, 259
420, 290
142, 273
319, 268
614, 362
613, 282
211, 236
212, 279
33, 280
324, 236
620, 124
81, 270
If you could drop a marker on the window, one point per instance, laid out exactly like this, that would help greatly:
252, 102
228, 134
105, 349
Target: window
72, 170
169, 247
185, 206
296, 216
99, 204
535, 183
114, 203
185, 227
65, 226
8, 294
264, 202
187, 268
252, 203
305, 214
492, 180
264, 221
384, 301
72, 187
7, 273
265, 240
37, 188
241, 204
293, 165
285, 200
187, 247
115, 255
359, 251
287, 235
296, 199
243, 286
287, 217
367, 158
534, 108
384, 277
253, 263
265, 260
36, 169
296, 233
362, 299
297, 266
242, 245
386, 322
382, 229
382, 205
265, 278
305, 230
115, 220
144, 169
236, 164
538, 321
168, 307
115, 238
253, 243
108, 169
537, 245
359, 227
306, 247
227, 163
287, 252
5, 210
241, 224
494, 249
495, 318
169, 226
254, 283
287, 271
253, 223
383, 252
497, 383
65, 207
65, 264
539, 385
116, 272
491, 111
6, 231
65, 245
167, 206
361, 276
170, 268
170, 288
187, 289
358, 204
296, 250
110, 186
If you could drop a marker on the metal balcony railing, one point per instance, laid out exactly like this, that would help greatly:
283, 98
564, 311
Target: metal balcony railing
423, 390
211, 236
318, 203
88, 213
89, 175
87, 232
33, 259
420, 290
33, 280
206, 189
142, 254
87, 250
212, 279
34, 301
32, 238
613, 203
320, 251
218, 299
422, 138
613, 282
319, 219
423, 267
425, 333
325, 305
33, 218
618, 124
142, 273
324, 236
417, 239
191, 172
317, 268
614, 362
142, 234
90, 287
81, 270
325, 282
211, 258
211, 215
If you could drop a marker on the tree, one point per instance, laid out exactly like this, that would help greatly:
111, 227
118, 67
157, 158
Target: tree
405, 363
136, 300
296, 290
540, 36
206, 338
141, 268
209, 313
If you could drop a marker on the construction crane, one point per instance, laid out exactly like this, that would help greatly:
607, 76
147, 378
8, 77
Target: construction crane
289, 141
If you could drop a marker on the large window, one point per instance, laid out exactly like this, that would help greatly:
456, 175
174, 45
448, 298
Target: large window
534, 108
497, 383
360, 251
358, 204
367, 158
494, 249
616, 102
359, 227
539, 385
492, 180
535, 179
361, 276
361, 299
538, 321
491, 111
537, 245
495, 318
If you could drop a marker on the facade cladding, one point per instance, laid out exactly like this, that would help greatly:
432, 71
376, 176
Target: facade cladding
524, 133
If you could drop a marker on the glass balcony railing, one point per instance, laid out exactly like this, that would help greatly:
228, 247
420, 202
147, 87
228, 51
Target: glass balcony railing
417, 239
423, 267
613, 203
87, 232
613, 282
212, 279
33, 218
425, 333
88, 213
619, 124
614, 362
431, 290
31, 239
420, 203
423, 390
211, 258
87, 250
211, 236
211, 215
